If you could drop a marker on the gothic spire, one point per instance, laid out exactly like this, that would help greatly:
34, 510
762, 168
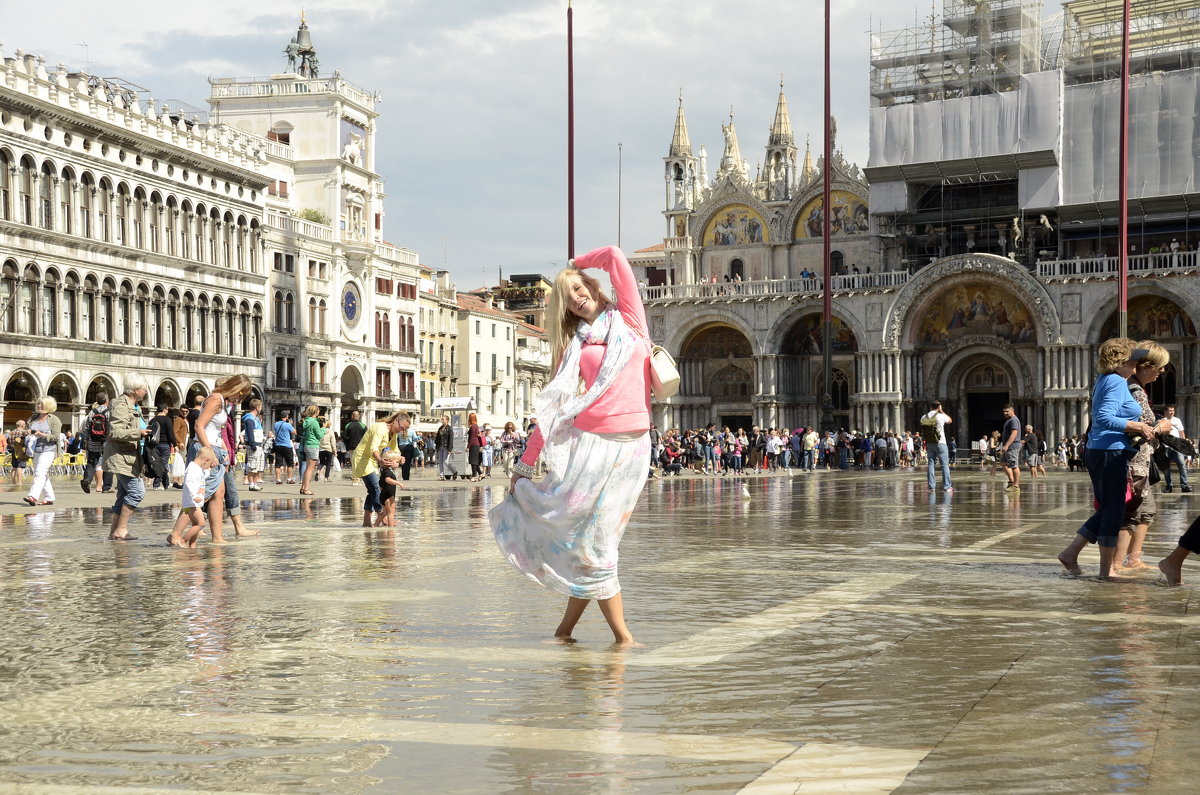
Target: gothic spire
781, 129
681, 146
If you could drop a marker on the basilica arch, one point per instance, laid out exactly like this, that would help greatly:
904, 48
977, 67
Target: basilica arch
717, 377
1154, 312
988, 269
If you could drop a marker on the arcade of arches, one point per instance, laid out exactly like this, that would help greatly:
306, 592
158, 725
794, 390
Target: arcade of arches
975, 341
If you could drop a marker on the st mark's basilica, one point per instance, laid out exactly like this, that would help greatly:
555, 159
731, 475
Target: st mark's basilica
975, 257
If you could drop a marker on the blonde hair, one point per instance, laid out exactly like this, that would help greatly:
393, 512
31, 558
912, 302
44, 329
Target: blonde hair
1156, 356
49, 405
236, 385
1113, 353
206, 458
312, 410
561, 322
391, 455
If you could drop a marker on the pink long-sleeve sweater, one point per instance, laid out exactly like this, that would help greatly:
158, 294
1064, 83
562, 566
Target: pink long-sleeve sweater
625, 406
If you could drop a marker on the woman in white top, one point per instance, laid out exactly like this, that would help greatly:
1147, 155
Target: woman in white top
210, 431
42, 446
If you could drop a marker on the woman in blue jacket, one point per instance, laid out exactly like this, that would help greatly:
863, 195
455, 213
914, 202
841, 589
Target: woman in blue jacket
1116, 423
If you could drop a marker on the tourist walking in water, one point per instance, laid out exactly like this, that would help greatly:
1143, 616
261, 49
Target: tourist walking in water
1010, 449
1141, 508
1116, 420
122, 457
367, 460
564, 531
42, 446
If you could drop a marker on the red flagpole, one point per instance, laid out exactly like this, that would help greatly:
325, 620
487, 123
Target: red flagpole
1123, 186
570, 138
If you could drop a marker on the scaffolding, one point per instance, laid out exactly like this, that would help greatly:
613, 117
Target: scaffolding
1164, 35
981, 47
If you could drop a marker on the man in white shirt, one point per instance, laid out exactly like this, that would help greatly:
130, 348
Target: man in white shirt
1172, 455
933, 431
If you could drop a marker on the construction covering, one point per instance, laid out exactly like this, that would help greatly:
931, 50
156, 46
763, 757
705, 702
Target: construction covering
1164, 124
1005, 125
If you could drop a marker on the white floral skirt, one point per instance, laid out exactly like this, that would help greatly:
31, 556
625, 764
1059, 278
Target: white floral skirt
563, 531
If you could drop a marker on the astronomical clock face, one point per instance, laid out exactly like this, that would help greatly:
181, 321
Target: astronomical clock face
351, 304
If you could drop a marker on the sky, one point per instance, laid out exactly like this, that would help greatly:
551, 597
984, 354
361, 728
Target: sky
472, 138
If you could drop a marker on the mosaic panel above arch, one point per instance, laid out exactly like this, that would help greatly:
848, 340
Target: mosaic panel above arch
806, 336
735, 225
1152, 317
981, 308
850, 216
717, 342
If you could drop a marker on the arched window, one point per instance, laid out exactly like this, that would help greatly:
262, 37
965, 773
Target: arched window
289, 313
5, 186
230, 328
157, 306
411, 345
170, 226
252, 243
255, 328
202, 341
277, 311
46, 197
121, 216
138, 239
227, 231
214, 229
67, 187
86, 190
837, 262
841, 391
124, 324
244, 329
187, 324
104, 211
140, 325
312, 315
11, 286
737, 268
25, 179
154, 220
108, 317
322, 307
171, 334
186, 219
218, 326
71, 299
48, 314
89, 309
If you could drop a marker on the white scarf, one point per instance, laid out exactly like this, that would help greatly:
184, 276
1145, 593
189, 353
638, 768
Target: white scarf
560, 402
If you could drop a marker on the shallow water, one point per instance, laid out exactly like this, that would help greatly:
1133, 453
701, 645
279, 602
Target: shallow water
836, 631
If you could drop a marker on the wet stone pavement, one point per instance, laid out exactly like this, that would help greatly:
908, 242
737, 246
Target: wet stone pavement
822, 632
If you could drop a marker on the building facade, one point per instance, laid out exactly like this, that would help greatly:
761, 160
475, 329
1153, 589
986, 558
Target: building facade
188, 245
132, 240
990, 235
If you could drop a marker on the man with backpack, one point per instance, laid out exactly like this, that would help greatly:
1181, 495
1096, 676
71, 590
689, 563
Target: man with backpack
937, 451
95, 434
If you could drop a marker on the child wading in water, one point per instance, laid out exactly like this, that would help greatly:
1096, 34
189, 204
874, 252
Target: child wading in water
194, 496
387, 488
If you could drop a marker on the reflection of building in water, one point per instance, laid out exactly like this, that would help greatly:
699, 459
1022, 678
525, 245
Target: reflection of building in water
985, 252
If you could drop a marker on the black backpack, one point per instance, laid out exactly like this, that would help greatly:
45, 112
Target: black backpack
98, 426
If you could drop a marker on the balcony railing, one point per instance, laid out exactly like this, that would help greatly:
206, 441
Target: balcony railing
1105, 267
287, 383
732, 291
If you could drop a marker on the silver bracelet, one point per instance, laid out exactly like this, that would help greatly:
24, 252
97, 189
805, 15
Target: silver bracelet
523, 469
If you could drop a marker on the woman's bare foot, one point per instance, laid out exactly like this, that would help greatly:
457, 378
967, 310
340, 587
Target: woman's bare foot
246, 532
1071, 564
1172, 570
